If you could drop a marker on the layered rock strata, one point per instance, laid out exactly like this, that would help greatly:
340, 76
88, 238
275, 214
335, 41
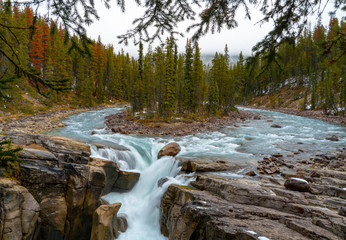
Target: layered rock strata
64, 186
311, 206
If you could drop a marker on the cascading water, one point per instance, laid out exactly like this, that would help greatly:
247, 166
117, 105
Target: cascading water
244, 145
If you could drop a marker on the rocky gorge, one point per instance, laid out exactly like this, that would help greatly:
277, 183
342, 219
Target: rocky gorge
59, 192
306, 201
287, 195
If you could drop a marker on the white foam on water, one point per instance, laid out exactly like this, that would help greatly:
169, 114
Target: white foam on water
141, 204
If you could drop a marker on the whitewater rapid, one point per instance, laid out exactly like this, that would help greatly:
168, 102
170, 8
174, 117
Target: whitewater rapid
244, 144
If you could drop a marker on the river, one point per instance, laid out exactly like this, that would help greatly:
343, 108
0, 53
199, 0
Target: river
243, 144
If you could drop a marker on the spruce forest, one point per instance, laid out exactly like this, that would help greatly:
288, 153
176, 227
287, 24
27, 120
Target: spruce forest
161, 82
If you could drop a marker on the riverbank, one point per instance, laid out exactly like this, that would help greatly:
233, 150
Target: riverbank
43, 122
297, 193
121, 123
316, 114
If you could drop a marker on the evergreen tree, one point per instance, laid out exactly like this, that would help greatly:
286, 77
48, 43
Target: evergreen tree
169, 90
213, 97
9, 157
213, 91
188, 78
198, 81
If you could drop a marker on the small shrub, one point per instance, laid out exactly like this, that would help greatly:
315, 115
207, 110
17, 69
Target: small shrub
9, 158
47, 102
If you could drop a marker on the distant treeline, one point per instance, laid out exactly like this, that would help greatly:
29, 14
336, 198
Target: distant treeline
162, 82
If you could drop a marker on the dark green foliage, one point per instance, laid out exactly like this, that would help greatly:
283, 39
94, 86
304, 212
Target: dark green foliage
304, 65
189, 87
9, 157
169, 87
313, 97
198, 79
4, 85
137, 99
163, 83
213, 97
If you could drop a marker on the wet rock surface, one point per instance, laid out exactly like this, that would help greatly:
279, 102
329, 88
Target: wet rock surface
61, 187
275, 126
126, 181
171, 149
282, 199
106, 224
120, 123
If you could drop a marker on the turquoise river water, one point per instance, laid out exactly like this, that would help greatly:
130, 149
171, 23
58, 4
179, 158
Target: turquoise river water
244, 144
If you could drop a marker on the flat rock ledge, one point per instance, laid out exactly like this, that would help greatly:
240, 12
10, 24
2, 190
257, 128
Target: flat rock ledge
120, 123
311, 206
59, 191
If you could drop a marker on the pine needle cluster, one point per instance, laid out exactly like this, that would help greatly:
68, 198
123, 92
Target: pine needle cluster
9, 159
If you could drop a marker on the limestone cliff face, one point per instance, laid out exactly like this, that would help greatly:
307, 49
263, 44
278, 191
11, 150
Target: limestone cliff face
61, 187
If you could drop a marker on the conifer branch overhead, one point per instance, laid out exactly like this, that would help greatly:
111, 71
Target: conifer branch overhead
163, 16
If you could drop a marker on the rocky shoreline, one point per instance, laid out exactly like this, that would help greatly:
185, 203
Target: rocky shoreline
120, 123
316, 114
59, 192
293, 200
45, 121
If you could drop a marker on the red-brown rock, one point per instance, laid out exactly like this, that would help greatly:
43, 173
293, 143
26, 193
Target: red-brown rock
171, 149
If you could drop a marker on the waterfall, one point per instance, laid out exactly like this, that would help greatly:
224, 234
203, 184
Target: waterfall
243, 144
141, 204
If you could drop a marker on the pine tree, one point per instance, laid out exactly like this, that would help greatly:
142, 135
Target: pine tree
9, 157
313, 97
159, 78
213, 97
148, 81
180, 84
188, 78
198, 81
138, 101
169, 90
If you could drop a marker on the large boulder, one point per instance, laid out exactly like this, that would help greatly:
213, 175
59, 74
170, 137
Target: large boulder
104, 220
111, 170
126, 181
297, 184
171, 149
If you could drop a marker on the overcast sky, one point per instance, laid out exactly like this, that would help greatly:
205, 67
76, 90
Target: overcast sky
113, 23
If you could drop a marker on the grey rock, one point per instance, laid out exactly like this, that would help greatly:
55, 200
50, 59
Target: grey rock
275, 126
19, 216
332, 138
297, 184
